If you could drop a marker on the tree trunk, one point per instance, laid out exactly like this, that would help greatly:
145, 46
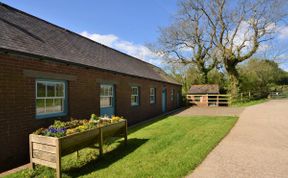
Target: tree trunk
233, 86
204, 76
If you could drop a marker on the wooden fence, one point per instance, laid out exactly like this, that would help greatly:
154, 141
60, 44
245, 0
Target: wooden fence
278, 95
209, 99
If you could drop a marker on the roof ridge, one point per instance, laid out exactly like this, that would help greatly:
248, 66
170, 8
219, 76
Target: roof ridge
69, 31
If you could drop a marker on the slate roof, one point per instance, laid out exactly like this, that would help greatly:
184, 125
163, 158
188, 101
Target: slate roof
27, 34
204, 89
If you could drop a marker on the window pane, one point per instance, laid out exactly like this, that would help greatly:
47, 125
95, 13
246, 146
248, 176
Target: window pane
49, 105
50, 90
134, 91
105, 91
110, 101
41, 89
110, 91
60, 89
58, 105
134, 100
102, 91
152, 91
40, 106
152, 99
105, 101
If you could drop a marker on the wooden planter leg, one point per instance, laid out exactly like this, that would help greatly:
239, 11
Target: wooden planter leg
126, 133
77, 154
58, 160
32, 165
101, 143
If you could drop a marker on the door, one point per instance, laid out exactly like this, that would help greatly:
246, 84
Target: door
178, 99
164, 100
107, 100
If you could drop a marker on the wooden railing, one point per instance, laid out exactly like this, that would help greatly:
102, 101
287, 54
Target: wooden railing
278, 95
209, 99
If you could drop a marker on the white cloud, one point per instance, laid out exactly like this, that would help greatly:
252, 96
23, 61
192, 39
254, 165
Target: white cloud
107, 40
244, 33
283, 32
137, 50
264, 47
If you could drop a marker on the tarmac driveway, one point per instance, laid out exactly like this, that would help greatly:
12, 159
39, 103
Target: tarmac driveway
256, 147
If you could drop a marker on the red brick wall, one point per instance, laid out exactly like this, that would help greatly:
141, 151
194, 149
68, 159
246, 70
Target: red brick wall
17, 101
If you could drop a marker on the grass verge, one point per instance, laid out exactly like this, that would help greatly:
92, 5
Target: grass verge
170, 147
249, 103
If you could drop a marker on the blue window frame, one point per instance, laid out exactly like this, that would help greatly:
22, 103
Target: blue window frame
134, 96
172, 94
152, 95
106, 96
51, 98
107, 100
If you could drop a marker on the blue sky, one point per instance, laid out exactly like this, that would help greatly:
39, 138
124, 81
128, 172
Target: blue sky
126, 25
135, 21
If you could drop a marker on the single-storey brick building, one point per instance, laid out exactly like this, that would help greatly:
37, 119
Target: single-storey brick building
48, 72
200, 95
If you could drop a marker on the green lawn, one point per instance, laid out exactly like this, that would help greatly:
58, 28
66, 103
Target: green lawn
169, 147
249, 103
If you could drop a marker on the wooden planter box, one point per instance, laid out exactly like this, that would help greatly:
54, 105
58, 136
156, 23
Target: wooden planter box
48, 151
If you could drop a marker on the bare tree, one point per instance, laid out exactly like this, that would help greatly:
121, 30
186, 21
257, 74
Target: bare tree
240, 28
189, 41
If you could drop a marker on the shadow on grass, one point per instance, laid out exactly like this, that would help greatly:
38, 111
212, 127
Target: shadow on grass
107, 159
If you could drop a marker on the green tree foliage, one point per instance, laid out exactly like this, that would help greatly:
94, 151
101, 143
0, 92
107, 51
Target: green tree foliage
236, 30
189, 75
258, 76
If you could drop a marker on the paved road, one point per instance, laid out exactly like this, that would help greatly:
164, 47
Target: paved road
256, 147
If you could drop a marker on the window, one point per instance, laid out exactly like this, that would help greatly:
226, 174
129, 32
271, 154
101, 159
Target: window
50, 98
106, 96
172, 94
135, 96
152, 95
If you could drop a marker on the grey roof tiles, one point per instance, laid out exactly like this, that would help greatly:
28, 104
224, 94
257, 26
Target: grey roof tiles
28, 34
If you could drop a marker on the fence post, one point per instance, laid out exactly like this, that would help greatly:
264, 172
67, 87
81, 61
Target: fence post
249, 95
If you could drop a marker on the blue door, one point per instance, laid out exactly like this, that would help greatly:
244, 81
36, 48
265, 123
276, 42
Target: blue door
178, 99
164, 100
107, 100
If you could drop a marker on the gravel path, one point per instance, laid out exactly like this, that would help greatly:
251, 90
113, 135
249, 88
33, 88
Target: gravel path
212, 111
256, 147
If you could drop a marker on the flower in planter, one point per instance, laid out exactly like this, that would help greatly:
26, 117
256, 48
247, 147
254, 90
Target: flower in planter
73, 123
116, 119
94, 117
40, 131
71, 131
55, 132
60, 129
58, 124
